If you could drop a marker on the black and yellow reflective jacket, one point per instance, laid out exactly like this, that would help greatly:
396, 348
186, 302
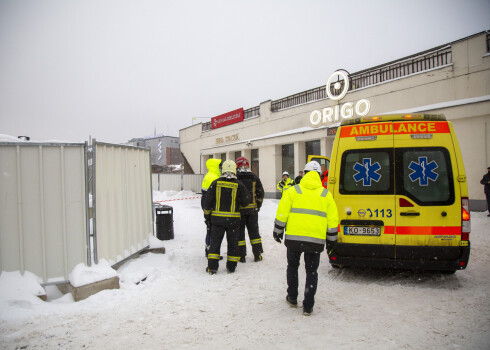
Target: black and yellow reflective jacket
223, 199
254, 186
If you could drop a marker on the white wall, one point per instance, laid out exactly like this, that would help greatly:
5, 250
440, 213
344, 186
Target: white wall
42, 209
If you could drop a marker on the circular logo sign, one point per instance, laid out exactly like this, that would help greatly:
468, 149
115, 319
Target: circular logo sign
339, 75
361, 213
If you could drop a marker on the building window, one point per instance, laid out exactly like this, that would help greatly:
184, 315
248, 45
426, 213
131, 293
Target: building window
223, 157
238, 154
312, 148
288, 159
254, 155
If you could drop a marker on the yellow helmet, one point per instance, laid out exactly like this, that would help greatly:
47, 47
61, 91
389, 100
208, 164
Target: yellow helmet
229, 166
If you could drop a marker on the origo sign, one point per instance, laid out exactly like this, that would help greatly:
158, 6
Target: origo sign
227, 118
344, 111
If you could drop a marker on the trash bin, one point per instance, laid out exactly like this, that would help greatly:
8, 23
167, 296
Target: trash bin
164, 222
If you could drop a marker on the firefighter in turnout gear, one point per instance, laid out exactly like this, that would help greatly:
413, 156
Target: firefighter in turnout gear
285, 182
309, 215
213, 166
250, 213
224, 197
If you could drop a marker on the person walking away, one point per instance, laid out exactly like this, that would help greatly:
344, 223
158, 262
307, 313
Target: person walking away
486, 182
213, 166
221, 204
298, 178
324, 176
309, 215
250, 213
285, 182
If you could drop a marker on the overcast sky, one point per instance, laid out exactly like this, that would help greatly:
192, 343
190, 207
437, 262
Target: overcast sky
118, 69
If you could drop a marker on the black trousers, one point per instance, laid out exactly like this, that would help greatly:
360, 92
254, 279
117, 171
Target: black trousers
217, 235
488, 201
312, 261
207, 240
251, 222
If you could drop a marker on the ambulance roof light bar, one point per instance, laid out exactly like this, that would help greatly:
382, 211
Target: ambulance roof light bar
394, 118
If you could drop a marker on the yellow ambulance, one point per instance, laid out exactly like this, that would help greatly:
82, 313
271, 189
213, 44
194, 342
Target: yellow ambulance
400, 188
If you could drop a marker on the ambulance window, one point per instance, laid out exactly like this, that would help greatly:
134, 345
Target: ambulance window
367, 172
426, 175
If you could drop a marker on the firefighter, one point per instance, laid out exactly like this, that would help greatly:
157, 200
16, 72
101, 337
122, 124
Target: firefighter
309, 215
213, 166
225, 195
250, 213
324, 176
285, 182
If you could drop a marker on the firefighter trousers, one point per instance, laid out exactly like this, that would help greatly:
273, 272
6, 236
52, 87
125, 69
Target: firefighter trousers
312, 261
217, 235
251, 222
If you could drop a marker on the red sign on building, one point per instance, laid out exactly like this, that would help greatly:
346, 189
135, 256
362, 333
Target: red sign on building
227, 118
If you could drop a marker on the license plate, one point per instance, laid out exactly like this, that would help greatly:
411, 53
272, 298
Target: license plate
362, 231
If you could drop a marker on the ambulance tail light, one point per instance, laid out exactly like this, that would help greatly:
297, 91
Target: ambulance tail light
465, 219
404, 203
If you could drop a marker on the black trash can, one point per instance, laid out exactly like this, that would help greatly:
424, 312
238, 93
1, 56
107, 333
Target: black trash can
164, 222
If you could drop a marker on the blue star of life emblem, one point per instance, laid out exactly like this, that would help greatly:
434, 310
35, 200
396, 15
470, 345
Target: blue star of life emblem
367, 172
423, 171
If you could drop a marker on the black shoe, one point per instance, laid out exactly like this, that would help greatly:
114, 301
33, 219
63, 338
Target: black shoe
211, 272
307, 311
230, 270
243, 259
258, 258
292, 302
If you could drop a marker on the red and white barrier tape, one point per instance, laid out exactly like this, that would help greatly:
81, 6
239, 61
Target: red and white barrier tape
176, 199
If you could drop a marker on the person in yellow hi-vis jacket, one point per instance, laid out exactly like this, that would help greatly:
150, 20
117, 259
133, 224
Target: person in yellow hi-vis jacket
285, 182
309, 215
221, 212
214, 172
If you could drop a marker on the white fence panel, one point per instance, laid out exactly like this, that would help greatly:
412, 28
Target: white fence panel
193, 182
43, 223
123, 217
170, 182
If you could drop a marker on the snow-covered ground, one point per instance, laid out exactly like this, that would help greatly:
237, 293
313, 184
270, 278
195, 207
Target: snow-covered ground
180, 306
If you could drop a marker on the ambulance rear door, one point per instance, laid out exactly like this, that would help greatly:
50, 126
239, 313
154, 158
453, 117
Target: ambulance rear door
365, 197
428, 211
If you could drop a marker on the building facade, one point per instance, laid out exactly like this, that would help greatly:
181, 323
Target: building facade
164, 151
452, 79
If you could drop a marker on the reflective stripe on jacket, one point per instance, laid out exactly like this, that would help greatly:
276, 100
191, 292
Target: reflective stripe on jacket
213, 173
309, 214
223, 199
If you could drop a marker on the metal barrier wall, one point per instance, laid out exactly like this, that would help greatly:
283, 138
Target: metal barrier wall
177, 182
43, 205
123, 216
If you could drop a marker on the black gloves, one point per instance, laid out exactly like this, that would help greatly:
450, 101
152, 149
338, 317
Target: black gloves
207, 220
278, 237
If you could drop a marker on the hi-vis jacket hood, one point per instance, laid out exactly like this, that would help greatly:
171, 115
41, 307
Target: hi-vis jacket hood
308, 213
213, 173
311, 181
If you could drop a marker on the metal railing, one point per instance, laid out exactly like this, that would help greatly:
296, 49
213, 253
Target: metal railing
400, 68
248, 113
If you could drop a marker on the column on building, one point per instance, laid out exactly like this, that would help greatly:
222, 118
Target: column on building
299, 158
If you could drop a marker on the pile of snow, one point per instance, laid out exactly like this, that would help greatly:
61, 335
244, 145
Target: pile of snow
83, 274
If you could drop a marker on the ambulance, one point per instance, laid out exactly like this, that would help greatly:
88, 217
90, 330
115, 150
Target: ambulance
400, 187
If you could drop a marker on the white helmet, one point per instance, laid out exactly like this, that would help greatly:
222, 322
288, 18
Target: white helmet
229, 166
313, 165
285, 173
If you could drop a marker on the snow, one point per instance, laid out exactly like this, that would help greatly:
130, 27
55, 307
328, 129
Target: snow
168, 301
83, 274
